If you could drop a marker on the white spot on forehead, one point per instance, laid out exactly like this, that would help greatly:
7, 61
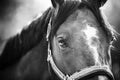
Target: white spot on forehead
91, 32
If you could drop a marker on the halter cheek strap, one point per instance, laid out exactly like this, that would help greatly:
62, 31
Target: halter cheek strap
54, 67
50, 59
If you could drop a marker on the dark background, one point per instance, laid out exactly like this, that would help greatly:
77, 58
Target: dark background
7, 10
7, 7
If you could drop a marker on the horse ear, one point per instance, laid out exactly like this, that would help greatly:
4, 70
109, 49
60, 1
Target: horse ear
98, 3
57, 2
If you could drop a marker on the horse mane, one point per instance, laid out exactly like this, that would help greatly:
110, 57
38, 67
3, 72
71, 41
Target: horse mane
18, 45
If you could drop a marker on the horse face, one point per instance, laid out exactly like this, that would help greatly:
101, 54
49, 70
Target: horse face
80, 43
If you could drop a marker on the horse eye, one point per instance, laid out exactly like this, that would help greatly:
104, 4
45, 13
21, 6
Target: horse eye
62, 43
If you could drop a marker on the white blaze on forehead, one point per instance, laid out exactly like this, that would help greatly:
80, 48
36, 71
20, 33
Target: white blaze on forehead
90, 33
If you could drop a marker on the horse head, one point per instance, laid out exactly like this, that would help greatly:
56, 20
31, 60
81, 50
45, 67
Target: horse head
79, 40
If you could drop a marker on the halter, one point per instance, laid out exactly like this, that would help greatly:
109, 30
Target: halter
83, 73
93, 70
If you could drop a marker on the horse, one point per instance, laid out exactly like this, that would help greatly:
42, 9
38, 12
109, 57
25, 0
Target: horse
70, 41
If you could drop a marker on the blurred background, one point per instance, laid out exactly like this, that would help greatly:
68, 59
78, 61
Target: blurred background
112, 12
15, 14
